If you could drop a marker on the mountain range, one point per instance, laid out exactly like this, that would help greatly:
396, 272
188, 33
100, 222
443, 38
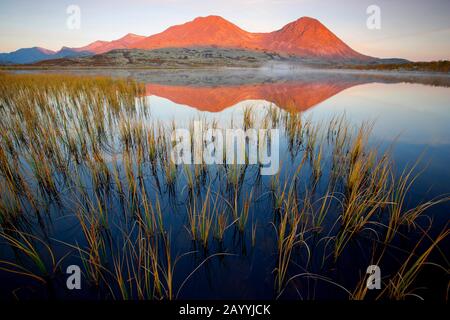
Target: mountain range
304, 38
35, 54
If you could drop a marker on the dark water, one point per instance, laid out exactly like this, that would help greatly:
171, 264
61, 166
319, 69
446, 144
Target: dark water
413, 117
411, 113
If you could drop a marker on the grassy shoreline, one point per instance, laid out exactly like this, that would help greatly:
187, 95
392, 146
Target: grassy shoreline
442, 66
428, 68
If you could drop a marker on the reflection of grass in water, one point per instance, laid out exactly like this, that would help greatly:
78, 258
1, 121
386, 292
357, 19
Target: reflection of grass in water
89, 147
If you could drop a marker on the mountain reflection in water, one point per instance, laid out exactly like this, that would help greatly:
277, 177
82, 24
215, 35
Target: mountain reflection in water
298, 96
297, 92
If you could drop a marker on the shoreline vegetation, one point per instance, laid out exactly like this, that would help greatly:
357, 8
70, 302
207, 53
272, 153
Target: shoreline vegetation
215, 57
438, 68
441, 66
86, 151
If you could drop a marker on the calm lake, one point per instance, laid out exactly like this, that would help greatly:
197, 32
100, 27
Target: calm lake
411, 111
410, 114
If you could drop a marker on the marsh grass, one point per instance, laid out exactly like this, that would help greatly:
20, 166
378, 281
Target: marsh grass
28, 246
201, 218
88, 149
402, 284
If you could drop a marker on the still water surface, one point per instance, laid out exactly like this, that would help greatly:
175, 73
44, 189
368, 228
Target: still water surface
411, 114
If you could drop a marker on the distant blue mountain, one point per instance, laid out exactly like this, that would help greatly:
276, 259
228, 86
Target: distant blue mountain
26, 55
66, 52
35, 54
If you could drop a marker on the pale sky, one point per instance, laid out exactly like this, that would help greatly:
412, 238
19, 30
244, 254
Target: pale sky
411, 29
